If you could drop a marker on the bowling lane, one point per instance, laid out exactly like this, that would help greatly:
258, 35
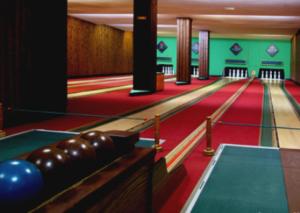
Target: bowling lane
163, 109
72, 82
105, 90
285, 116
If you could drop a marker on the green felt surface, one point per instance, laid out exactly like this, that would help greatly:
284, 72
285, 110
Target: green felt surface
245, 180
145, 143
26, 142
266, 131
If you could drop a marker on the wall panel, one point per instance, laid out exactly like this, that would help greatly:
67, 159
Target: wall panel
98, 49
32, 57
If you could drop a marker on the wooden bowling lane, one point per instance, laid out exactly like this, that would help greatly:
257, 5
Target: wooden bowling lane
98, 83
284, 116
100, 79
105, 90
164, 109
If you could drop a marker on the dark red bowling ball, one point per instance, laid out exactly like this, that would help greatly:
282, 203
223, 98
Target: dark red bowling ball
103, 145
52, 162
81, 153
91, 135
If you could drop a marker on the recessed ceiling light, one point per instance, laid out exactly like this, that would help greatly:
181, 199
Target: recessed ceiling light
229, 8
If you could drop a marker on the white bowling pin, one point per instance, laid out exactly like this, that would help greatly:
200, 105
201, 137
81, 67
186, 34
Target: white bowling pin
233, 73
238, 73
271, 74
230, 74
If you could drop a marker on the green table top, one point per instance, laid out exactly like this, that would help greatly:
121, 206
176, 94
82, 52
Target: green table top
16, 145
243, 179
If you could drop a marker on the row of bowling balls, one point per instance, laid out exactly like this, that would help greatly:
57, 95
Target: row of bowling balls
49, 169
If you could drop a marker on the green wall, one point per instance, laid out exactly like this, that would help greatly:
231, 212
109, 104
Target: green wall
254, 52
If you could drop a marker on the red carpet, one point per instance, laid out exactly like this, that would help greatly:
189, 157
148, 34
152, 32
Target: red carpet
293, 89
113, 103
184, 122
246, 109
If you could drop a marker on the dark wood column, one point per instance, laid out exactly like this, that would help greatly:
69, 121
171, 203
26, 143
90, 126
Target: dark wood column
144, 35
184, 38
295, 58
33, 56
203, 55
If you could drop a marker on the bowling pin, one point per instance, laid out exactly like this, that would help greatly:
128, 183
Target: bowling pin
279, 75
275, 74
238, 73
233, 73
271, 74
230, 74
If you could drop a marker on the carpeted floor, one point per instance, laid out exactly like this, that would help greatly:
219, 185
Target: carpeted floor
246, 109
184, 122
107, 104
293, 89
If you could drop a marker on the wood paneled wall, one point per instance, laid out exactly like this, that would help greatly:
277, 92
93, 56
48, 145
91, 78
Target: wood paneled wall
203, 55
184, 38
33, 56
295, 69
98, 49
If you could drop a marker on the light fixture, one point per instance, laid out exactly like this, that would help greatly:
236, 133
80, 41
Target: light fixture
229, 8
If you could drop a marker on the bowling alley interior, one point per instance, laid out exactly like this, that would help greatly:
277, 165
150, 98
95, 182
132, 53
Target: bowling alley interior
150, 106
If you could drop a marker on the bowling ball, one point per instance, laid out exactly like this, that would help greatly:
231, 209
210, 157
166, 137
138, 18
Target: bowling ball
53, 163
81, 153
20, 182
103, 145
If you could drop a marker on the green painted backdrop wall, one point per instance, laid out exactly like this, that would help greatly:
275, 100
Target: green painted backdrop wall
254, 52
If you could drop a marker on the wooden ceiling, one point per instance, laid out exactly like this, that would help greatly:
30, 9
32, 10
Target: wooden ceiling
224, 18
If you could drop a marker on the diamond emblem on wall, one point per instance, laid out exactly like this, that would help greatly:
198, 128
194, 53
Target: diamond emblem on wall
272, 50
161, 46
236, 48
195, 47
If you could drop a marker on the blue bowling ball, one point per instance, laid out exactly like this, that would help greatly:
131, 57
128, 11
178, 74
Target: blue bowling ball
20, 181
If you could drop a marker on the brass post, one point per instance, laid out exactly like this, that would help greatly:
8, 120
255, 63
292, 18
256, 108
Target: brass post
208, 151
158, 147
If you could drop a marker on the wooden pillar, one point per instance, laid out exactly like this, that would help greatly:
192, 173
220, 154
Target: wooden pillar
203, 55
184, 38
33, 56
144, 35
295, 58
